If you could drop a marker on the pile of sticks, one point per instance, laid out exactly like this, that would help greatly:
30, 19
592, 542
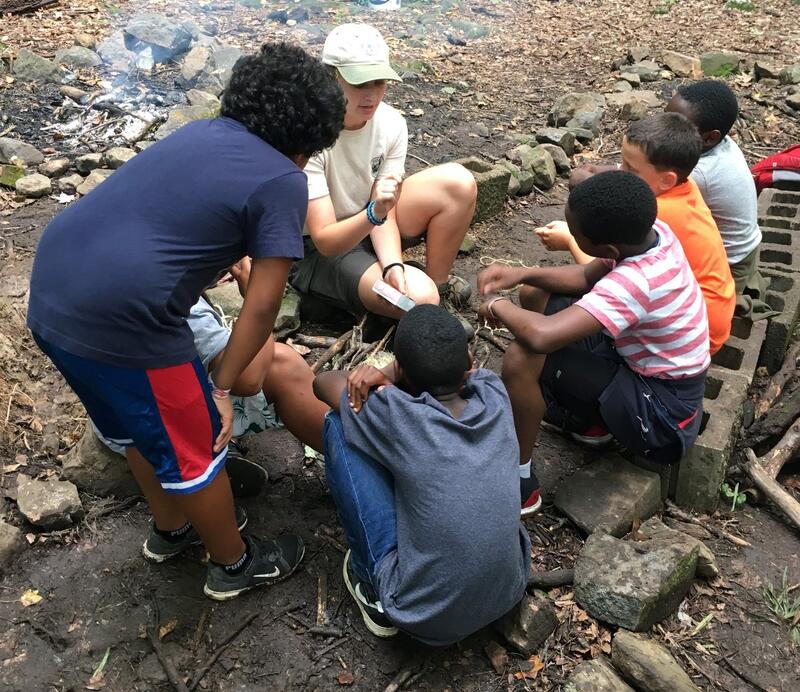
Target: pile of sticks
776, 431
349, 350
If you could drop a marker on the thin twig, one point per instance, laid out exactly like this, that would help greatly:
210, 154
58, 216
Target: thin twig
678, 513
164, 660
218, 652
329, 648
492, 339
419, 158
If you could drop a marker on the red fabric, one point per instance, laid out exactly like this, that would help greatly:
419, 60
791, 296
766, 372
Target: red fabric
786, 160
184, 411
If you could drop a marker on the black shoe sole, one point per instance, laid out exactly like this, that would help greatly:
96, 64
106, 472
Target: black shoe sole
247, 478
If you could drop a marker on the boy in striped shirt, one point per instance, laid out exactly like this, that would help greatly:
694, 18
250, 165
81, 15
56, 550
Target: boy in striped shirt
619, 343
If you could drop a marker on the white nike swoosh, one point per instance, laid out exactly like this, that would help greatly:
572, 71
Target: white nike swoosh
275, 573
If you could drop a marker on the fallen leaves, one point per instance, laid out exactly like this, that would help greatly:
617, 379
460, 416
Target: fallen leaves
165, 629
30, 597
536, 666
497, 656
345, 678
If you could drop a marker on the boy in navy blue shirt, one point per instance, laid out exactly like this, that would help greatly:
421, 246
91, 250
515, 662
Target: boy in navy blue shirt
116, 274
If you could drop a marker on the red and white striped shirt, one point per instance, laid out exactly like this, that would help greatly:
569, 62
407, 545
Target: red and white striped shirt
654, 310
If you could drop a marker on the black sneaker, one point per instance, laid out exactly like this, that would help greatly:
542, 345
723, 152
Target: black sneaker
271, 561
247, 478
530, 495
367, 601
158, 549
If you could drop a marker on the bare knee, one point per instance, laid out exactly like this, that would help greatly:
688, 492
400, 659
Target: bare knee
459, 183
425, 295
520, 365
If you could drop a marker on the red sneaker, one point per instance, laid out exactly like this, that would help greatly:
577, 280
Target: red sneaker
530, 496
594, 436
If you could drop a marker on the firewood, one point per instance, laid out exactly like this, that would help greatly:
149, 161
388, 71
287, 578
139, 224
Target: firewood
777, 381
783, 452
772, 489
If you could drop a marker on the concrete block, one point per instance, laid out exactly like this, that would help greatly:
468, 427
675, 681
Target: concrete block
783, 294
779, 218
702, 470
740, 352
492, 186
608, 495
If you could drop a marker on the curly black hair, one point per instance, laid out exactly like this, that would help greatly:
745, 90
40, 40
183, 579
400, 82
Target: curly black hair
431, 347
669, 140
615, 207
286, 97
713, 105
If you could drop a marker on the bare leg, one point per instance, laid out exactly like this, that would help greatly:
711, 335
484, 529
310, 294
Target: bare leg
421, 289
289, 384
210, 510
441, 201
521, 371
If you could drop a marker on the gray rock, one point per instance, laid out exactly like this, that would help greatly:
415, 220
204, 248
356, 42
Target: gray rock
227, 298
631, 78
621, 85
567, 107
638, 53
195, 97
11, 542
608, 495
288, 319
793, 101
31, 67
682, 65
180, 115
649, 98
647, 665
765, 70
560, 158
544, 168
17, 152
54, 167
596, 675
647, 70
633, 584
586, 121
34, 185
790, 75
70, 183
521, 181
97, 176
583, 135
115, 53
95, 469
50, 505
706, 561
164, 37
559, 136
719, 63
78, 58
529, 624
492, 182
86, 163
208, 67
471, 30
85, 40
633, 110
116, 156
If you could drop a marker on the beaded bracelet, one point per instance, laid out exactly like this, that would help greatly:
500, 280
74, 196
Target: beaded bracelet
374, 220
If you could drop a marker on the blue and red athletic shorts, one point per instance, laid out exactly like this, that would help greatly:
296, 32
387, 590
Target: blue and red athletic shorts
166, 413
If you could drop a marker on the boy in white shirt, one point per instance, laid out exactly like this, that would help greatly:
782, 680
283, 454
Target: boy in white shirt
361, 213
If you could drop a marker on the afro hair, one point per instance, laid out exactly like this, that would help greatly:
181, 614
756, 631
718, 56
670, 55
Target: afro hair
431, 347
287, 98
614, 207
713, 105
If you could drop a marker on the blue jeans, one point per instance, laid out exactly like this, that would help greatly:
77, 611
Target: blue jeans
363, 491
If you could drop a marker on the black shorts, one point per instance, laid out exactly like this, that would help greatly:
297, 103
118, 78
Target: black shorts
588, 383
333, 280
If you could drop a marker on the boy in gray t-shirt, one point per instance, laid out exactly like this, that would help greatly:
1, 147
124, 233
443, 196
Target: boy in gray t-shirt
727, 187
424, 473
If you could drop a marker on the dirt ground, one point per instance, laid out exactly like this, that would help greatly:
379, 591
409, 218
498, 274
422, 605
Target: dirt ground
100, 596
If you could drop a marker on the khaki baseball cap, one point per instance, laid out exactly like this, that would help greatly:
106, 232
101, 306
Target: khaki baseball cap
359, 52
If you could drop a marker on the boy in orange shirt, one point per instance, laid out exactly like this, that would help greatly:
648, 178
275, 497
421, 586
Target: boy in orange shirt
663, 150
